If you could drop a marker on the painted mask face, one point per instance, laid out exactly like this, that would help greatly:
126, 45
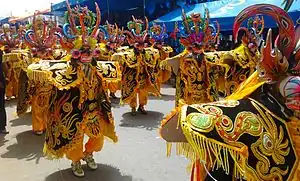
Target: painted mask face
41, 37
158, 45
136, 37
139, 46
290, 89
198, 34
196, 48
43, 53
10, 38
111, 45
85, 55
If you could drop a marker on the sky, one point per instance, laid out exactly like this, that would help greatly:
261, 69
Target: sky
20, 7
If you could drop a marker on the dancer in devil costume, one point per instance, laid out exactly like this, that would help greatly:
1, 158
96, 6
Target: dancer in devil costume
197, 78
41, 40
14, 58
254, 133
110, 39
139, 75
158, 38
78, 103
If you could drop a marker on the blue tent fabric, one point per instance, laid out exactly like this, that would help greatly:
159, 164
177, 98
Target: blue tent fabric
224, 12
55, 13
3, 21
62, 6
114, 5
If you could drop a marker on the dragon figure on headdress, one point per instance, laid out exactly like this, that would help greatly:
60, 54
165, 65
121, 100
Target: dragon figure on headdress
198, 31
111, 38
79, 28
41, 38
135, 36
254, 133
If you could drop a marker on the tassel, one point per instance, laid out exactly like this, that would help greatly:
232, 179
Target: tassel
169, 149
205, 149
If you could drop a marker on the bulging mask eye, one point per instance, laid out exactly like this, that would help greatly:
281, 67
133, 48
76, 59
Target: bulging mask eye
76, 54
34, 51
189, 48
49, 51
96, 53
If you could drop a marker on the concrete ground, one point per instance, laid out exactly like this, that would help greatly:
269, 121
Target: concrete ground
140, 154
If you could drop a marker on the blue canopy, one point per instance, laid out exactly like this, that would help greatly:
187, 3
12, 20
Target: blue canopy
113, 5
225, 11
5, 20
55, 13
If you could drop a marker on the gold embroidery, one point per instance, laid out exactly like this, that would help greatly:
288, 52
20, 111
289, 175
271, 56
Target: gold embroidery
271, 147
211, 117
240, 63
61, 126
64, 77
110, 70
294, 128
207, 148
270, 144
67, 107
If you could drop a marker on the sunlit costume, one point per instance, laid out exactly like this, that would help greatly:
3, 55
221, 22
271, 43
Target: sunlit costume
78, 103
196, 77
241, 60
158, 38
111, 38
138, 64
41, 39
14, 59
254, 133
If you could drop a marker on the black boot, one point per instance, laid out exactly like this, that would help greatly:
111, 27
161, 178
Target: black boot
112, 95
142, 110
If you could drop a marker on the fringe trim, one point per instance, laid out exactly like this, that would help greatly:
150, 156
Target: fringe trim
215, 152
185, 149
38, 76
182, 149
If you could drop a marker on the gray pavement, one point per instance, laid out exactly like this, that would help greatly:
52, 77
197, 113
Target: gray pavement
140, 154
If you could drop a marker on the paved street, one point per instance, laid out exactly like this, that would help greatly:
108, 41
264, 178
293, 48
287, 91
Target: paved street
140, 154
